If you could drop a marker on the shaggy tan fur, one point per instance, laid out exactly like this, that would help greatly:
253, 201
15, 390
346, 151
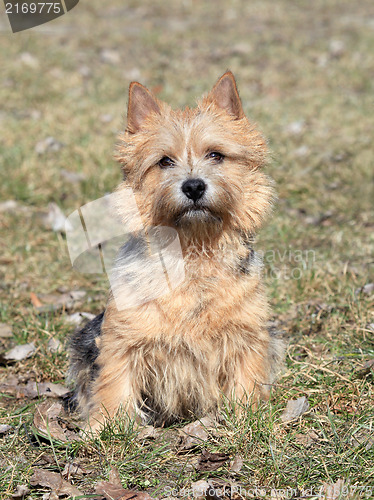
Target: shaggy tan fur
175, 356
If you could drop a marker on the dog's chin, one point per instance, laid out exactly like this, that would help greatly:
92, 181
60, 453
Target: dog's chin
195, 216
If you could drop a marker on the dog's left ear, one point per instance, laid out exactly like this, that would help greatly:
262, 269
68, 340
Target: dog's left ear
226, 96
141, 104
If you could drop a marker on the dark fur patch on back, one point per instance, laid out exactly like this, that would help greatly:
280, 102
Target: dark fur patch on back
83, 356
83, 342
246, 262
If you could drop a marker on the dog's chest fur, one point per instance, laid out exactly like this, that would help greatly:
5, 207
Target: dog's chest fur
202, 307
183, 349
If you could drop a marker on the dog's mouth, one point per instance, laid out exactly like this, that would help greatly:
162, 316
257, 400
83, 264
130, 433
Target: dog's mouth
198, 214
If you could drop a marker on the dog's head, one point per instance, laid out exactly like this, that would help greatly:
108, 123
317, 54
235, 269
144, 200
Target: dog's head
197, 170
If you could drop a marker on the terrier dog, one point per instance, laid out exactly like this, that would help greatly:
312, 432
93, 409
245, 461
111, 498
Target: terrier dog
197, 171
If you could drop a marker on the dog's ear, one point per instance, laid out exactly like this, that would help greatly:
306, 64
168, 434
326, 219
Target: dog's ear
141, 104
226, 96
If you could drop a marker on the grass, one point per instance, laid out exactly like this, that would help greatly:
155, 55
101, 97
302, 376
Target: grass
305, 72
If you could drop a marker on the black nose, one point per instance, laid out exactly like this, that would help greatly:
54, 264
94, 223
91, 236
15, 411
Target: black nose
194, 188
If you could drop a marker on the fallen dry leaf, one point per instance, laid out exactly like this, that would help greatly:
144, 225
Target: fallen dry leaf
35, 389
73, 469
77, 294
116, 492
32, 389
5, 331
8, 206
336, 48
52, 495
113, 490
114, 476
236, 464
48, 144
294, 409
54, 481
54, 345
45, 459
363, 437
195, 433
307, 439
4, 428
55, 219
367, 289
85, 71
202, 490
20, 352
72, 177
78, 317
296, 127
29, 60
48, 421
211, 461
319, 219
367, 369
35, 300
147, 432
21, 491
106, 118
58, 301
110, 56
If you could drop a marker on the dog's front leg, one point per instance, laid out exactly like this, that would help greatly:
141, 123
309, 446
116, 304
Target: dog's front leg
112, 390
251, 377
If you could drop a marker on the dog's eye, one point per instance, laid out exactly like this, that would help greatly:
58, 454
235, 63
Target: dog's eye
166, 162
215, 156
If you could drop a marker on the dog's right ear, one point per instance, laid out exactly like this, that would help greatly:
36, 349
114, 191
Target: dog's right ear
141, 104
226, 96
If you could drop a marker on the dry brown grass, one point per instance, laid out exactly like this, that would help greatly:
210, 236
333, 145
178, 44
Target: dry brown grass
305, 71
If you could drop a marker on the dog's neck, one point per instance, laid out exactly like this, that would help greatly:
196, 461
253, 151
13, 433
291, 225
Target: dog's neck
228, 249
